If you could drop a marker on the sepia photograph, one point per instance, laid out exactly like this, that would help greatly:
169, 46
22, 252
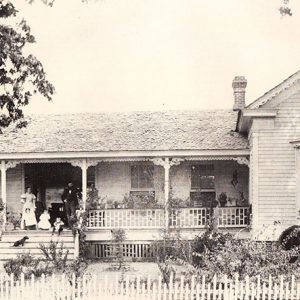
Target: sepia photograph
149, 149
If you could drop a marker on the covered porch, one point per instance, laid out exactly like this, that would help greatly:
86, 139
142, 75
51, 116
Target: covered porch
139, 193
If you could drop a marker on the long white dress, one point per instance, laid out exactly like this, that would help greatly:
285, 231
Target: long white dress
28, 211
44, 221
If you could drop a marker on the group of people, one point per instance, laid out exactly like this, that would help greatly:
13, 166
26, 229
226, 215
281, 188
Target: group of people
29, 218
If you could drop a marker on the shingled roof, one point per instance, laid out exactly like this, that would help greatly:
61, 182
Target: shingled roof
172, 130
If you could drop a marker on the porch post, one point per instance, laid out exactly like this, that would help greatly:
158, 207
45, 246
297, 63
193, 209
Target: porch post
3, 190
167, 163
167, 189
84, 182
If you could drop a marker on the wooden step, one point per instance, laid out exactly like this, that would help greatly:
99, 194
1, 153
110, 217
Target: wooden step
55, 238
30, 245
26, 250
34, 233
7, 256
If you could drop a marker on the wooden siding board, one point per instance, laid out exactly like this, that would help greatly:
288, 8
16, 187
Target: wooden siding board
276, 166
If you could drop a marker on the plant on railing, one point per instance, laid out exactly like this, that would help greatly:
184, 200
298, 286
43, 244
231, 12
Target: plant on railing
94, 201
180, 203
14, 219
141, 200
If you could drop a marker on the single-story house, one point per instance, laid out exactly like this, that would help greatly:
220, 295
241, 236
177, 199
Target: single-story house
145, 171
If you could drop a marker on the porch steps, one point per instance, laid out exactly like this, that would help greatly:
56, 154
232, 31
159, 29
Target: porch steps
32, 245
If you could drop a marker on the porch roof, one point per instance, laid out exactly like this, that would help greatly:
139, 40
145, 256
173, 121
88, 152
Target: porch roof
134, 131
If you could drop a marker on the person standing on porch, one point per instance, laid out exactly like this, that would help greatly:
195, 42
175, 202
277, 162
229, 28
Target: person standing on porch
28, 219
70, 199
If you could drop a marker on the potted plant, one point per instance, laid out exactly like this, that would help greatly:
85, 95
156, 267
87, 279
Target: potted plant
222, 199
14, 221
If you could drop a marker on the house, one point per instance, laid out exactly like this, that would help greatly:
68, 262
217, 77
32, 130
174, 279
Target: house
155, 170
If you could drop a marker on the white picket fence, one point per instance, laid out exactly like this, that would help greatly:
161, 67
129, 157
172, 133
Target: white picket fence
58, 287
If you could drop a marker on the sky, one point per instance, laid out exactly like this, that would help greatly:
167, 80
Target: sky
129, 55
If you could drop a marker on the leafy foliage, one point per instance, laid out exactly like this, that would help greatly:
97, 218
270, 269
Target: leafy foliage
118, 238
285, 10
171, 246
218, 253
54, 261
26, 264
55, 254
21, 76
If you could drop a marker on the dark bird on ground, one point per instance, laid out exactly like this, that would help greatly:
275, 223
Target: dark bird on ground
20, 242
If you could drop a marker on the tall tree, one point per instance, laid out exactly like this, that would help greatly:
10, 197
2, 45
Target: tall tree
21, 75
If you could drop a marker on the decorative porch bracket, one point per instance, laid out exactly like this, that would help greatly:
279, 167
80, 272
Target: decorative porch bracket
167, 163
84, 164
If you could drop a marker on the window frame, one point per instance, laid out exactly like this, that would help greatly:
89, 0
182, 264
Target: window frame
141, 189
196, 190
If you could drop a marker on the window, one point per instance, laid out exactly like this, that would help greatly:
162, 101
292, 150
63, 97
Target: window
203, 185
142, 178
91, 176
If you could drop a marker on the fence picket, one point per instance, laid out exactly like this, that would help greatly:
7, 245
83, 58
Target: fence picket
236, 286
247, 287
252, 291
208, 291
214, 287
203, 287
292, 287
61, 287
198, 291
281, 288
264, 291
298, 292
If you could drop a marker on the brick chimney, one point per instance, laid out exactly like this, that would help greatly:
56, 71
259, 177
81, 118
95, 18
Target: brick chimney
239, 84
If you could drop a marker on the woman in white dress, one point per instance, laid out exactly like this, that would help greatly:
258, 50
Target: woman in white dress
28, 212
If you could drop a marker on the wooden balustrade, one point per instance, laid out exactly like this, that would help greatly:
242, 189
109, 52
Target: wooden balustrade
179, 218
126, 218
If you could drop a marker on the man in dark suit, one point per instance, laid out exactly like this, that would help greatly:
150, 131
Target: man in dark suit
70, 199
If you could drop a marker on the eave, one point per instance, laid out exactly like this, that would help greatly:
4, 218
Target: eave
126, 154
246, 116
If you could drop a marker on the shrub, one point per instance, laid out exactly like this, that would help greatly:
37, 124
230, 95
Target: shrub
118, 238
223, 254
171, 246
26, 264
56, 255
54, 261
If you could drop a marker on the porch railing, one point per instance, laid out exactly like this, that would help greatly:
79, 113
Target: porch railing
126, 218
233, 217
179, 218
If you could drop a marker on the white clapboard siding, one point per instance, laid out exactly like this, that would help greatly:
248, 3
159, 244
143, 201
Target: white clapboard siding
276, 166
184, 288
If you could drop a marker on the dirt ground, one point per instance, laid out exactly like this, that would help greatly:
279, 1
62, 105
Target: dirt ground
136, 269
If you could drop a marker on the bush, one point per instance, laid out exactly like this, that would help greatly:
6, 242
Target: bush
26, 264
171, 246
118, 238
54, 261
218, 253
